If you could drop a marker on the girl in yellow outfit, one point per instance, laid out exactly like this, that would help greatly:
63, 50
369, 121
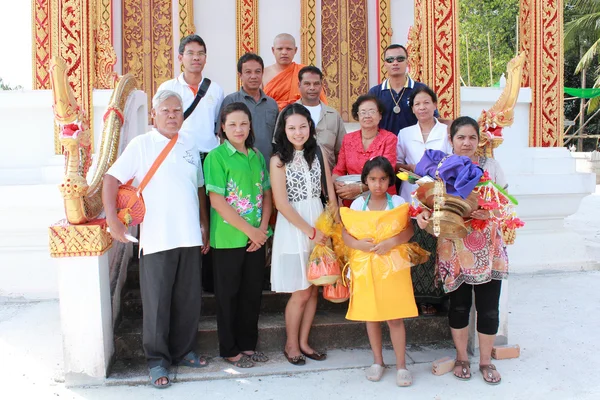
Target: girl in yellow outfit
380, 274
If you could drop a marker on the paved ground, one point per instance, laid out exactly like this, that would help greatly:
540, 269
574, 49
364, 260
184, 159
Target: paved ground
553, 317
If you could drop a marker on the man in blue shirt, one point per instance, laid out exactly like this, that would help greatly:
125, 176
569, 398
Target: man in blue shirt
395, 91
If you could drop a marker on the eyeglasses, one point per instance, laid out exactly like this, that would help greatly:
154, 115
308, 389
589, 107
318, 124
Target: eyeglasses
191, 53
390, 60
364, 113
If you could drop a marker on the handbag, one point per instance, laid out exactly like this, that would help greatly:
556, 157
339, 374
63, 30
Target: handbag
130, 203
324, 194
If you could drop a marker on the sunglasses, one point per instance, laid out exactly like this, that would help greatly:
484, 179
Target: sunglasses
390, 60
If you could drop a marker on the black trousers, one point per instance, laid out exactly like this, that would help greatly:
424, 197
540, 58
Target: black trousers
170, 283
238, 291
487, 299
207, 259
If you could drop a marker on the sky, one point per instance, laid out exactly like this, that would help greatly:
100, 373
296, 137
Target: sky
15, 43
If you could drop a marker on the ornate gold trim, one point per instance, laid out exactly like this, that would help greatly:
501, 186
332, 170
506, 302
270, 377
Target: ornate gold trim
40, 25
308, 32
246, 28
186, 18
384, 27
106, 58
67, 240
415, 44
541, 36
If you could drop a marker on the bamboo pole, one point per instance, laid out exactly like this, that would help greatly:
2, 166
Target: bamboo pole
490, 58
468, 62
577, 135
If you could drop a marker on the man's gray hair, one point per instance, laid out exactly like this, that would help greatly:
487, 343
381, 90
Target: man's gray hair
163, 95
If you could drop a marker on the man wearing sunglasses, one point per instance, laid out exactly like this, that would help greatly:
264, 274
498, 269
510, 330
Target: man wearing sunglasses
395, 91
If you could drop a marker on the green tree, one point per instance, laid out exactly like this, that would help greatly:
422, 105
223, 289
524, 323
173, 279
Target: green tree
6, 86
477, 18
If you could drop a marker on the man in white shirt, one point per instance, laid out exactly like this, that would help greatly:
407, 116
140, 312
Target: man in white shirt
173, 236
202, 123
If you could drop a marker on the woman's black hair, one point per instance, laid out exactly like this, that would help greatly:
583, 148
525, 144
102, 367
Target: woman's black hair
460, 122
362, 99
282, 147
421, 89
231, 108
378, 162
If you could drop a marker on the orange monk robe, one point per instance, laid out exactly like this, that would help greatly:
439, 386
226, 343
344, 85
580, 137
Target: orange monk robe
283, 88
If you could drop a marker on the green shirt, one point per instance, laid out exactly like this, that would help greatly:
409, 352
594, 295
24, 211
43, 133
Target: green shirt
241, 179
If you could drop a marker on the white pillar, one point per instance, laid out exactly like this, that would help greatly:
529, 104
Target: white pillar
86, 318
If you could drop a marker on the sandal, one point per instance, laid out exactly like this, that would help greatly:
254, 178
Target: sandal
157, 373
427, 309
257, 356
192, 360
403, 377
296, 360
315, 355
374, 372
486, 372
244, 362
466, 369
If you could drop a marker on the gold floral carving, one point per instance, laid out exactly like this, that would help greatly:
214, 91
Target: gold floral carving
345, 53
308, 32
148, 42
384, 27
68, 240
415, 44
41, 43
246, 27
541, 36
186, 18
440, 58
72, 23
106, 58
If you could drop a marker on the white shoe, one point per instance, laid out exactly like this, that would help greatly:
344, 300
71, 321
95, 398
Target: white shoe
374, 372
403, 378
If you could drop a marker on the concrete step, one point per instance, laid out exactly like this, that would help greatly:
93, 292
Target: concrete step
331, 330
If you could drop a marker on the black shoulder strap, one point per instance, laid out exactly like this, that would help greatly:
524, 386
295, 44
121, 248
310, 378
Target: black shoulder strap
324, 194
201, 92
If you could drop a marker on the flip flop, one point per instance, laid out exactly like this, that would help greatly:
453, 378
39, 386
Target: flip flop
159, 372
296, 360
465, 371
192, 360
244, 362
315, 355
486, 372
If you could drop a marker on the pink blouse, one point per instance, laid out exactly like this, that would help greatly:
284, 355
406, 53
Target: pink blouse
353, 156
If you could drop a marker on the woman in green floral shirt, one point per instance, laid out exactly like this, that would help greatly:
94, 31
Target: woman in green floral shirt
237, 182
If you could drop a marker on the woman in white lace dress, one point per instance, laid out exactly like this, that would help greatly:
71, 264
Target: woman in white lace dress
296, 167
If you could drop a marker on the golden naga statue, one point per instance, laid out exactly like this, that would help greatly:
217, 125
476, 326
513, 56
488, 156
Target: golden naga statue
501, 114
83, 202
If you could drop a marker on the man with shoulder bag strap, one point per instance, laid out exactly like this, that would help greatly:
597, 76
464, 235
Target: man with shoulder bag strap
173, 235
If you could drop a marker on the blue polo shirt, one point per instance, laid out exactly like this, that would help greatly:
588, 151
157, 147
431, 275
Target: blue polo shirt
391, 121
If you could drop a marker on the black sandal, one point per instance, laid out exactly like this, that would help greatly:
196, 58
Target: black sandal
257, 356
243, 362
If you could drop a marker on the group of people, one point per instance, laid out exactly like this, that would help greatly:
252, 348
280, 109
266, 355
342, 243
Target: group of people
229, 163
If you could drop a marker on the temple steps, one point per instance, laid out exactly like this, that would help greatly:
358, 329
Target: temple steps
331, 330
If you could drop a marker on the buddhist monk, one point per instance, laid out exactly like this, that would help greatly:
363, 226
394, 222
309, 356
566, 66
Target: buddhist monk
280, 80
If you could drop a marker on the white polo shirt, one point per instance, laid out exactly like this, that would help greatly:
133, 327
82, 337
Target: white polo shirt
202, 124
172, 217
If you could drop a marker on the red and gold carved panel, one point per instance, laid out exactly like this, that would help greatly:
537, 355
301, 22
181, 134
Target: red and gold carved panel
186, 18
541, 36
345, 52
106, 58
384, 29
247, 27
41, 43
439, 52
148, 42
308, 32
415, 45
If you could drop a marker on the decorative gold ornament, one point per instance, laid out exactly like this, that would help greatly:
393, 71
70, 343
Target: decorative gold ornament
246, 28
308, 32
68, 240
501, 114
186, 18
415, 44
41, 43
106, 58
384, 30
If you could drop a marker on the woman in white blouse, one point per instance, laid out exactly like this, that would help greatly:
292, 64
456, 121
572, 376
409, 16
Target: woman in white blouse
427, 133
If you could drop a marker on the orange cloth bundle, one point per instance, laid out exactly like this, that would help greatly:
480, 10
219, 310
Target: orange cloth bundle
336, 293
323, 265
130, 205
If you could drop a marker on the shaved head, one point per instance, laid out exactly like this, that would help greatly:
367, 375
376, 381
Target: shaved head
284, 37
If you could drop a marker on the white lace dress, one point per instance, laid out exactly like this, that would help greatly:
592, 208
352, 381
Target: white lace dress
291, 246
